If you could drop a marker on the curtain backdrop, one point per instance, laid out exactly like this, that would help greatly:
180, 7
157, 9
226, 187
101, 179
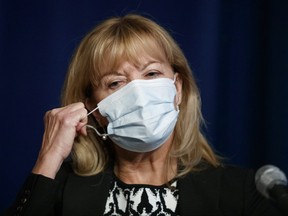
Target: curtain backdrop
238, 50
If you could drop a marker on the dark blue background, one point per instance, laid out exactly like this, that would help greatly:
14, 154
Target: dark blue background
238, 50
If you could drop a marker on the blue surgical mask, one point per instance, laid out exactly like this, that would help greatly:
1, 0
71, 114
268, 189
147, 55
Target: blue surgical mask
142, 115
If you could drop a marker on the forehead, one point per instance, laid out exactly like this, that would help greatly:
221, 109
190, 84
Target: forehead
144, 61
137, 53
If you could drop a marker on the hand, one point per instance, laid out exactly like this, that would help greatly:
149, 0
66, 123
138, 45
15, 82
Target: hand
62, 125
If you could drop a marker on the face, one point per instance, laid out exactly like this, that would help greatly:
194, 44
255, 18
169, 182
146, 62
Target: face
149, 68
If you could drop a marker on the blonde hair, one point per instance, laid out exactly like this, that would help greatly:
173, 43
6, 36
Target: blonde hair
103, 49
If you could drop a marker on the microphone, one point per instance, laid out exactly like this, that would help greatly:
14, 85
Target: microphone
271, 182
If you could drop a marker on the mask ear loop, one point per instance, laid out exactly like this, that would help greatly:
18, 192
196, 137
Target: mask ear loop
174, 80
104, 135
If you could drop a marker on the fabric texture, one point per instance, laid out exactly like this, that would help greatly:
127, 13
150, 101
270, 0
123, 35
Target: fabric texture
219, 191
139, 199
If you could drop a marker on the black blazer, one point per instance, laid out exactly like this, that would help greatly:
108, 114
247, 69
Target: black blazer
213, 191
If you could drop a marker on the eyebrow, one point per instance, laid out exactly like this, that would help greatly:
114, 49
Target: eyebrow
147, 64
116, 73
111, 73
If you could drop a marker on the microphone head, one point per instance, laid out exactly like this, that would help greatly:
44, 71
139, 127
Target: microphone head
268, 176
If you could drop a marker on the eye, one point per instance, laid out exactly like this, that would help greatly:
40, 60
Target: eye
115, 84
152, 74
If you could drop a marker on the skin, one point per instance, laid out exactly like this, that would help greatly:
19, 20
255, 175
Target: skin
63, 124
61, 127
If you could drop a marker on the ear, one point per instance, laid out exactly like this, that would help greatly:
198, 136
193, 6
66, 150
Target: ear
178, 84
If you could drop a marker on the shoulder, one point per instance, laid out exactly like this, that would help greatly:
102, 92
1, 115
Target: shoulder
222, 173
220, 179
228, 180
66, 176
232, 174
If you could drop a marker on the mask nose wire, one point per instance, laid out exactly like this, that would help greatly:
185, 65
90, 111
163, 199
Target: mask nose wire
104, 136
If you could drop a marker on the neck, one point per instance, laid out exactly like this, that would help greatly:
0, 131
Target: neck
145, 168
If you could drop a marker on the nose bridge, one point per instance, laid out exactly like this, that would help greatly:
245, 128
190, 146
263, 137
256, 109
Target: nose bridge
133, 75
131, 71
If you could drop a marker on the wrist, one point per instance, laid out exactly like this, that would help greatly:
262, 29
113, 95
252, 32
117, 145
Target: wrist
47, 166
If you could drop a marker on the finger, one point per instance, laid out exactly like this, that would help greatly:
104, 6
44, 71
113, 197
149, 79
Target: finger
83, 130
71, 108
80, 128
70, 115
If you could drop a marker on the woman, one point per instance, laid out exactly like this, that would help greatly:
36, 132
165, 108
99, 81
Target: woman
131, 122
